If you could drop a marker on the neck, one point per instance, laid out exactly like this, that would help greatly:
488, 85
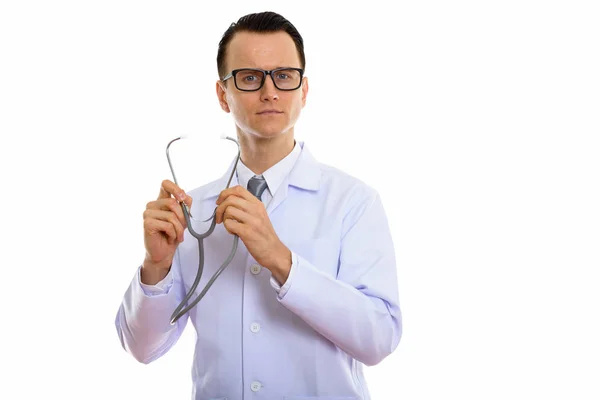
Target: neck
259, 154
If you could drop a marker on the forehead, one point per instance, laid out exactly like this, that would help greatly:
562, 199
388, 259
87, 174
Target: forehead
262, 50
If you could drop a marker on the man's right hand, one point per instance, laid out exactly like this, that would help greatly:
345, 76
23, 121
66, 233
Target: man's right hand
164, 225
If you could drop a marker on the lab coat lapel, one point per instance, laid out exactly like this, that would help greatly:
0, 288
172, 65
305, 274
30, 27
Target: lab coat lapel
305, 175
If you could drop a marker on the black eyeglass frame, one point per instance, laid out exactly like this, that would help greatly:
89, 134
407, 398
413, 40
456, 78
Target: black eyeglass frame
265, 73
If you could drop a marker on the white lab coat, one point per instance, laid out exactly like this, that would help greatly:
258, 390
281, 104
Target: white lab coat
340, 309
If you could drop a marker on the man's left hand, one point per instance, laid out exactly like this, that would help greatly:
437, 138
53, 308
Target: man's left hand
245, 215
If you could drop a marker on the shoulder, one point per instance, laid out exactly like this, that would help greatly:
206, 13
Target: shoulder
340, 183
348, 198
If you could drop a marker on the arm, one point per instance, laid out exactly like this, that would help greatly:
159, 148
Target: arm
359, 311
143, 319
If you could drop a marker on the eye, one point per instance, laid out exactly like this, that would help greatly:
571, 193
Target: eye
248, 76
283, 76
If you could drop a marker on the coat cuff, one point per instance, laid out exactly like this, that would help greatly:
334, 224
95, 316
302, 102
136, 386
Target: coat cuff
160, 288
282, 290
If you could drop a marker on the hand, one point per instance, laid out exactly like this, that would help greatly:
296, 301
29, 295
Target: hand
244, 215
164, 225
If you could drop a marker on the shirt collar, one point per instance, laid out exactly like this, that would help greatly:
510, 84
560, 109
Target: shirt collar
299, 166
274, 175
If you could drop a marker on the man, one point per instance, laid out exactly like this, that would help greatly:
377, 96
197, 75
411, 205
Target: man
311, 293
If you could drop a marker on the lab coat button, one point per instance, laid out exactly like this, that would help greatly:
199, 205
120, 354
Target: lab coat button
255, 386
255, 327
255, 269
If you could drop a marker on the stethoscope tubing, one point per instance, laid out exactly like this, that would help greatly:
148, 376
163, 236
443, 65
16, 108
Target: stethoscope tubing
181, 310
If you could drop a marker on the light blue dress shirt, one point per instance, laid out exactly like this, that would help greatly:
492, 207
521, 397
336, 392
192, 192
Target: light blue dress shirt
256, 339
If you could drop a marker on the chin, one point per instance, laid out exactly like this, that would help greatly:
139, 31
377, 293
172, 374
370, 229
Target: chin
269, 132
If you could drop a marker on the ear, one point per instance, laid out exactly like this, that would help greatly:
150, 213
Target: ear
222, 96
304, 90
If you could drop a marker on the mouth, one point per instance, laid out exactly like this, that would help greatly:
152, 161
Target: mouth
270, 112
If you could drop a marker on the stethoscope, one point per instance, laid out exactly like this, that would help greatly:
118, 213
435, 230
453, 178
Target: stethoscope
180, 310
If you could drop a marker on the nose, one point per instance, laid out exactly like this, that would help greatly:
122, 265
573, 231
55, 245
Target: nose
269, 91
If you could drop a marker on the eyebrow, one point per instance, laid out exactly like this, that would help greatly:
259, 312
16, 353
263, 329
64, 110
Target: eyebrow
267, 69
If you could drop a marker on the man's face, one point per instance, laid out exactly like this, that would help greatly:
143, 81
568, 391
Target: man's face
267, 112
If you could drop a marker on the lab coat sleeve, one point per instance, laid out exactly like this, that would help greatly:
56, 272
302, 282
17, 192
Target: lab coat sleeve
359, 309
282, 290
143, 319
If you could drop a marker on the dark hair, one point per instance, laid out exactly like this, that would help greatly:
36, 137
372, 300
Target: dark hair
265, 22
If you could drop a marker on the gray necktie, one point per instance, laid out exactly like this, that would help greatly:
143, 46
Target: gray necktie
257, 185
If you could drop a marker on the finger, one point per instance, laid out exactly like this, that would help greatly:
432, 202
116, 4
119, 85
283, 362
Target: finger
166, 216
188, 200
238, 191
235, 228
231, 201
238, 215
169, 204
153, 226
168, 188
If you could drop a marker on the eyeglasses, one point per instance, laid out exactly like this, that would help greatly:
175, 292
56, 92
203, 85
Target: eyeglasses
252, 79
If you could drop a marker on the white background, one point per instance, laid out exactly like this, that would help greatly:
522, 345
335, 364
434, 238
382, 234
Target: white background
477, 121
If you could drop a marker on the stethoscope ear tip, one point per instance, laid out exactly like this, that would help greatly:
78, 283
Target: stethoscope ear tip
227, 137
